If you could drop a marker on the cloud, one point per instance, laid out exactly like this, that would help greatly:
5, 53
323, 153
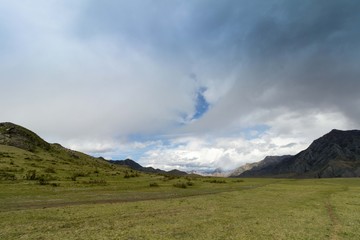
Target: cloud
290, 134
260, 74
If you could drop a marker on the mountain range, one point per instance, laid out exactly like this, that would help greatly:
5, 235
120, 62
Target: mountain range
336, 154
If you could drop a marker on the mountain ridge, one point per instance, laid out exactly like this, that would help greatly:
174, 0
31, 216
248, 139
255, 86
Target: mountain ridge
336, 154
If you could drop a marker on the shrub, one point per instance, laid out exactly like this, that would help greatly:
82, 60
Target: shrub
154, 184
190, 183
215, 181
239, 180
77, 174
50, 170
7, 176
30, 175
43, 180
170, 177
180, 185
131, 174
73, 177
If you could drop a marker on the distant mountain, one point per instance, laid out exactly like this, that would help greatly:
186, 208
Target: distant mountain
267, 161
127, 162
135, 166
219, 172
336, 154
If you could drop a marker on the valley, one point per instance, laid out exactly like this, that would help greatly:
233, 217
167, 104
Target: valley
51, 192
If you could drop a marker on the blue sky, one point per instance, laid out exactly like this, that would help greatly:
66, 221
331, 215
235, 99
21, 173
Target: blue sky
201, 105
193, 85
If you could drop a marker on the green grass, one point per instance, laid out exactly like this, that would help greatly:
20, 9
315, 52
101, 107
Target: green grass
253, 209
101, 203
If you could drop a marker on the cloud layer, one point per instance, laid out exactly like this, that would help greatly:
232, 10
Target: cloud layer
200, 84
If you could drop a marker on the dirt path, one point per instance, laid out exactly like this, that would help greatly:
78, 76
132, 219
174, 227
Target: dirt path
335, 224
124, 199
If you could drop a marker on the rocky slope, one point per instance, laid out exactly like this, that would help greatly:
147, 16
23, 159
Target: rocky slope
336, 154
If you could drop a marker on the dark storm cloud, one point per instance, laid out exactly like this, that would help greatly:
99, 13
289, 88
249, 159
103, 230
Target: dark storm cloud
296, 55
310, 55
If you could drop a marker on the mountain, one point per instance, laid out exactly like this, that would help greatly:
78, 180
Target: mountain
336, 154
135, 166
267, 161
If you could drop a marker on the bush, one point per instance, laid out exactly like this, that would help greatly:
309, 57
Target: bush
73, 177
30, 175
180, 185
131, 174
154, 184
239, 180
215, 181
44, 179
77, 174
190, 183
169, 177
7, 176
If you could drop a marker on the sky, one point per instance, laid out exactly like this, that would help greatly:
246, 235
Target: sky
192, 85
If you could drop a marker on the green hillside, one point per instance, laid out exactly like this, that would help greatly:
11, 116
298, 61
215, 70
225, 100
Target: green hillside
25, 156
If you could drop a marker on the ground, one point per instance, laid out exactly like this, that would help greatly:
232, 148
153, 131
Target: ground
128, 208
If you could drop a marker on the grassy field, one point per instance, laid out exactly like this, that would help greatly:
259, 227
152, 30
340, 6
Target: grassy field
131, 209
62, 194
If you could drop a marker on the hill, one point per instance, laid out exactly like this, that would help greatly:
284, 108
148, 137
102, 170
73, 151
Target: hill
336, 154
20, 137
23, 155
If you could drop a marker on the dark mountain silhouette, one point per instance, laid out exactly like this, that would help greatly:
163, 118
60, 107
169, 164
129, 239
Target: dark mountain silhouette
336, 154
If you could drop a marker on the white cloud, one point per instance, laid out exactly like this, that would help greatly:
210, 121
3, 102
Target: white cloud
290, 133
92, 74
